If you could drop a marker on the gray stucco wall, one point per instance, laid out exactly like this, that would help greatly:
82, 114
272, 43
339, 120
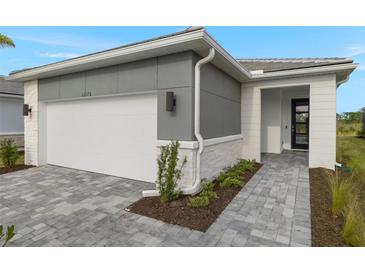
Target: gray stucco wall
220, 103
220, 98
165, 73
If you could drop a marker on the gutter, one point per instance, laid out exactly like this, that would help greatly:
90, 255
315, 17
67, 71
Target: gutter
197, 181
343, 81
305, 71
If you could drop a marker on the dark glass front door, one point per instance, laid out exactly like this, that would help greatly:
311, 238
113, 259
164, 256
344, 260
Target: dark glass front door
300, 124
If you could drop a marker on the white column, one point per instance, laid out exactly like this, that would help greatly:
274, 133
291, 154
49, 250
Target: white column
322, 122
251, 122
31, 123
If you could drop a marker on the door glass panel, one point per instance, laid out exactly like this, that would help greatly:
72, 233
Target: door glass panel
301, 117
301, 128
301, 139
300, 123
300, 108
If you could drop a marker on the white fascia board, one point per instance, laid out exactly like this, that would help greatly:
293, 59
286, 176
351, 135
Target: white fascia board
36, 73
227, 56
306, 71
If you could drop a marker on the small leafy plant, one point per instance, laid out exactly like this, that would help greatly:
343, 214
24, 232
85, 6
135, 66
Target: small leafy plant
236, 171
8, 152
199, 201
8, 235
205, 197
168, 172
229, 173
232, 182
208, 190
246, 165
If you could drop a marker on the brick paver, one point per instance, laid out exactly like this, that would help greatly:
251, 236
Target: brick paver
54, 206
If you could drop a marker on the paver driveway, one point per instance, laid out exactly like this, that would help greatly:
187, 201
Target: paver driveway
53, 206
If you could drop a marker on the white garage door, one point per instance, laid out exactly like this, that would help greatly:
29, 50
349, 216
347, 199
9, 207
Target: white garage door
115, 136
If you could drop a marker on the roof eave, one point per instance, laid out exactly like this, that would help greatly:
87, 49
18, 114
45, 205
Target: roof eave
77, 64
244, 72
339, 68
197, 40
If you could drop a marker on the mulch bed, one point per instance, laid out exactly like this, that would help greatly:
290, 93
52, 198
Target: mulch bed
326, 228
4, 170
180, 213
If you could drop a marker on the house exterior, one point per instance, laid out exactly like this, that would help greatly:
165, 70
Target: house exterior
110, 111
11, 105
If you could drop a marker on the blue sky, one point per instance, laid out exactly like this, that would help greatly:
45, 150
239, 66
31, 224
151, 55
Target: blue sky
42, 45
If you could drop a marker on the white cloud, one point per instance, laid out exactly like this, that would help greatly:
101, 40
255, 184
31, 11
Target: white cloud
71, 41
66, 55
361, 67
355, 50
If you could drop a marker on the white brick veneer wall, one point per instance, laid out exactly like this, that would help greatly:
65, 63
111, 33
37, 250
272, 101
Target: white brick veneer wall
215, 157
218, 156
31, 123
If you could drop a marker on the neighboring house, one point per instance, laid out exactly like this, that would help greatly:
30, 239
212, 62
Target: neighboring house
11, 113
109, 111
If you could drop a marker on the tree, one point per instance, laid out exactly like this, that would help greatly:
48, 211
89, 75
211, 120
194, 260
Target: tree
5, 41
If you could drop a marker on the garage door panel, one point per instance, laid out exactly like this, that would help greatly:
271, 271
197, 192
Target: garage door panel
115, 136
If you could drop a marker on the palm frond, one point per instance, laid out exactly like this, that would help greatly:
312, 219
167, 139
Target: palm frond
6, 41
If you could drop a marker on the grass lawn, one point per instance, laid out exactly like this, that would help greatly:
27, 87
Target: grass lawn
351, 151
328, 190
348, 128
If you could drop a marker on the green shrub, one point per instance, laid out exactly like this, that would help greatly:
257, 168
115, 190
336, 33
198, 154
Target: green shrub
340, 188
8, 152
8, 235
246, 165
232, 182
229, 173
208, 191
237, 170
199, 201
168, 173
354, 229
206, 195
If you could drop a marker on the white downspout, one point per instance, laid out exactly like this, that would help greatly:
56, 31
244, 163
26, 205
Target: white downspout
197, 186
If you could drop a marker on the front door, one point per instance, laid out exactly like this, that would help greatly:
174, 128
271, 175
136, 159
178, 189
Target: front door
300, 124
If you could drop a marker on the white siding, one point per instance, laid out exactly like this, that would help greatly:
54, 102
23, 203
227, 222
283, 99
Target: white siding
251, 122
322, 123
322, 127
271, 121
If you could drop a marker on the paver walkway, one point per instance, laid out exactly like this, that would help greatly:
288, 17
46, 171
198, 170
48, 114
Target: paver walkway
53, 206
